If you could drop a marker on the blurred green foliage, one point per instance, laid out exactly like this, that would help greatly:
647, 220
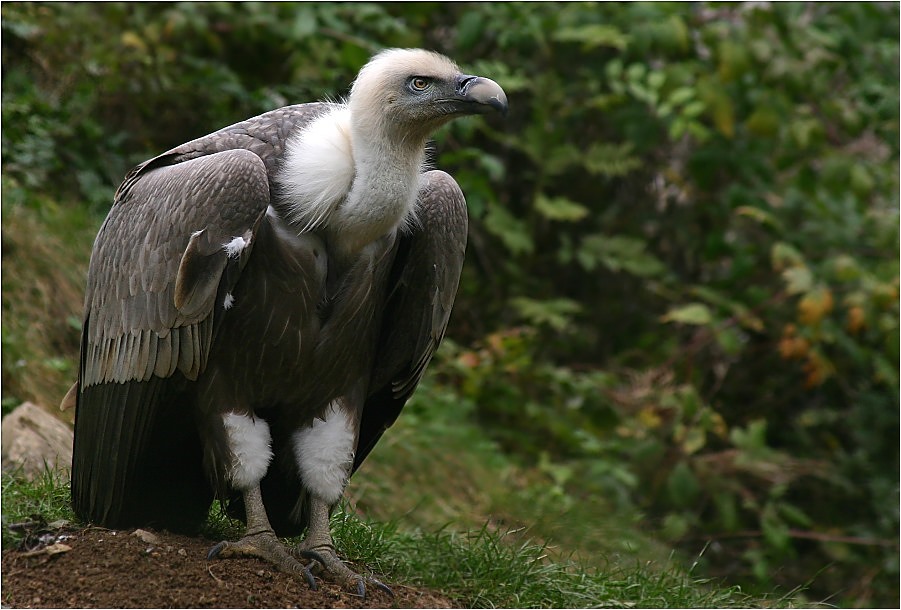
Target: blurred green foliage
681, 290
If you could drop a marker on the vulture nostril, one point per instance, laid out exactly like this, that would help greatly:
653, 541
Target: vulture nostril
464, 82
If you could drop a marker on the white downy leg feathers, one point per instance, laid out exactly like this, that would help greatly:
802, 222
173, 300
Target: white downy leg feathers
325, 453
251, 447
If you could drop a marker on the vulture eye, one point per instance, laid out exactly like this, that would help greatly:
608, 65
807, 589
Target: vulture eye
419, 83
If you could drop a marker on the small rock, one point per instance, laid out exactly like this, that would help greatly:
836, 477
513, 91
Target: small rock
53, 549
33, 439
182, 552
57, 548
148, 537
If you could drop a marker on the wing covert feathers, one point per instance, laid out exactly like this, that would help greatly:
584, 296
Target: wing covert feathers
180, 230
158, 262
220, 185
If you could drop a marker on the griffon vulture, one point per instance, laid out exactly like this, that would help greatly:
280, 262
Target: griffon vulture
260, 304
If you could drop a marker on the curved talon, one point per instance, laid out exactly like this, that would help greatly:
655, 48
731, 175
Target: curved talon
311, 580
383, 587
213, 553
361, 587
308, 569
314, 556
332, 566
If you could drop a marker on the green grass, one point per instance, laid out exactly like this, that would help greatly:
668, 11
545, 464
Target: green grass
489, 569
45, 498
481, 568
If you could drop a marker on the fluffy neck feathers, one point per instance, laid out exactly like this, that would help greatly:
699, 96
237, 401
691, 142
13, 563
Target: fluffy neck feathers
347, 176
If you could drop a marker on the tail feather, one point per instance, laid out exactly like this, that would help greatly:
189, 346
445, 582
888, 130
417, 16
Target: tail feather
137, 459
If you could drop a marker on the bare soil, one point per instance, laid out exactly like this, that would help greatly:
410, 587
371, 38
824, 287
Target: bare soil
100, 568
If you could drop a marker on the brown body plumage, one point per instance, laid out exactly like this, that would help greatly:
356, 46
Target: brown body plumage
293, 268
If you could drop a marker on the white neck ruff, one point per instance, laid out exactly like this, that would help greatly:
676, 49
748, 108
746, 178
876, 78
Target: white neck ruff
356, 186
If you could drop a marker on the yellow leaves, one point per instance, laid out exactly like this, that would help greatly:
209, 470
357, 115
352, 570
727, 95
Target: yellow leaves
859, 311
800, 340
131, 39
842, 311
815, 305
649, 418
658, 408
692, 436
791, 346
856, 319
817, 369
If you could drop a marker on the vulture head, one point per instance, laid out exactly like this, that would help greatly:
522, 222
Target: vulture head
355, 171
413, 92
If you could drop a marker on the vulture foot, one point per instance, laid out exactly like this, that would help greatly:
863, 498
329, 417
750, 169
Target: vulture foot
326, 562
264, 545
318, 547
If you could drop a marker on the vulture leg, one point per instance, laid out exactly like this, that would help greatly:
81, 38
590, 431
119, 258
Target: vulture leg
250, 451
324, 451
318, 546
260, 541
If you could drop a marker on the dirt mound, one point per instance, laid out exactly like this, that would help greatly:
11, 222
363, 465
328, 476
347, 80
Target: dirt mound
100, 568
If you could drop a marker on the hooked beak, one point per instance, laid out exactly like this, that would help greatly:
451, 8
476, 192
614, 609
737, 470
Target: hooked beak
479, 95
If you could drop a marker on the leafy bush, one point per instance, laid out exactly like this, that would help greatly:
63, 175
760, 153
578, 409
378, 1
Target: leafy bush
699, 220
